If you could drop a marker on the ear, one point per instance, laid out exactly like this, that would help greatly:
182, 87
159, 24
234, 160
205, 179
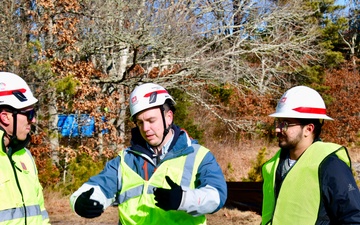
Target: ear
309, 129
4, 118
169, 117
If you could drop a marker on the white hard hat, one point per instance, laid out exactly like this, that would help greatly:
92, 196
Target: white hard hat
146, 96
14, 91
301, 102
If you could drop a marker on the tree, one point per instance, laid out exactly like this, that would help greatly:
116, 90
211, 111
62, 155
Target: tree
16, 30
111, 46
84, 57
190, 45
351, 30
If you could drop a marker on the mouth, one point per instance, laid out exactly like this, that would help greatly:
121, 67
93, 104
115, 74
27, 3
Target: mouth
149, 136
281, 137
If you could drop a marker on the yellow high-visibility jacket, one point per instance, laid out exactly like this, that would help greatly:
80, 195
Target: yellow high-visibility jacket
21, 196
137, 199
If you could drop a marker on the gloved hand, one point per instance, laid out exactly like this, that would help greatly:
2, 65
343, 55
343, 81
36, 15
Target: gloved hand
169, 199
86, 207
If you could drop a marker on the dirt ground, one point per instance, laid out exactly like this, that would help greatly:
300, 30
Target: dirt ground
60, 213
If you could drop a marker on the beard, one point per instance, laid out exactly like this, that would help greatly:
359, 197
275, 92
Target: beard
288, 143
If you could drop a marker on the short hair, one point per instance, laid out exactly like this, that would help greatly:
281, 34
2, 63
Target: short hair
169, 105
318, 123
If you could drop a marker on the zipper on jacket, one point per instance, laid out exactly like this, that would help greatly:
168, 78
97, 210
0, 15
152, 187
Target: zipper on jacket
12, 162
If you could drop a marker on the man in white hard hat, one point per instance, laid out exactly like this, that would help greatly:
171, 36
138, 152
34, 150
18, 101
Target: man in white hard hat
164, 177
21, 197
307, 181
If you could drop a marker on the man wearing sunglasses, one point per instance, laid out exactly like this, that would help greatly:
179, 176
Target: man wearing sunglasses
22, 200
307, 181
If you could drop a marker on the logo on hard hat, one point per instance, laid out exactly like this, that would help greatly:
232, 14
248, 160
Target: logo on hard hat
19, 95
153, 97
2, 86
133, 99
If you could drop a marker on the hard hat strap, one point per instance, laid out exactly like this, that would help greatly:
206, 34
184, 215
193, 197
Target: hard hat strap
13, 137
166, 129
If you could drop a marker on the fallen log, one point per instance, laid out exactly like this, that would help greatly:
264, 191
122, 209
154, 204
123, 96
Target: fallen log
245, 196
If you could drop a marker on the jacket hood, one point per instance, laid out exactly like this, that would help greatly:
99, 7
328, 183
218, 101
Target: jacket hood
15, 144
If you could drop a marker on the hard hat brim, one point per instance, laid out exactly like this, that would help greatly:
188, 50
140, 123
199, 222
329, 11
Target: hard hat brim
300, 116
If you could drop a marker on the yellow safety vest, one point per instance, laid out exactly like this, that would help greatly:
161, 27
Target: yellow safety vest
137, 204
21, 197
299, 196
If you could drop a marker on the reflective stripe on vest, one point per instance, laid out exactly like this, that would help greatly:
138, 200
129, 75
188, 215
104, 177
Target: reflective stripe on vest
185, 180
44, 215
304, 178
30, 156
22, 192
16, 213
137, 204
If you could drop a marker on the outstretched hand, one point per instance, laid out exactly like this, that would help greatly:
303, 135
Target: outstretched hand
169, 199
86, 207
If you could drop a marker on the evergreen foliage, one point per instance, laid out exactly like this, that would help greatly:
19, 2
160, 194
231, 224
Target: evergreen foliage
67, 85
230, 169
80, 169
183, 117
48, 173
221, 92
255, 171
329, 38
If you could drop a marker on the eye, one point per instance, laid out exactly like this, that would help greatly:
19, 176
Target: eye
139, 123
152, 120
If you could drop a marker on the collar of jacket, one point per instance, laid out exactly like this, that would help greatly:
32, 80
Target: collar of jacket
179, 143
15, 144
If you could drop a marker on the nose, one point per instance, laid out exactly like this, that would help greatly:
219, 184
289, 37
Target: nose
145, 126
278, 130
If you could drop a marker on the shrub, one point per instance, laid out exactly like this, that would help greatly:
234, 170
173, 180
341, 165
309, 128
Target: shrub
182, 118
255, 171
48, 173
80, 169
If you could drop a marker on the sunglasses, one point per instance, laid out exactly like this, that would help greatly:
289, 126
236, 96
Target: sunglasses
30, 114
284, 125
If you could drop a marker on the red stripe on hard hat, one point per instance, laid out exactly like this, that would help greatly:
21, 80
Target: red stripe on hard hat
159, 92
310, 110
10, 92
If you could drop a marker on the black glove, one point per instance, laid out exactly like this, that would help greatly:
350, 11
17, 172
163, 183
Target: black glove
168, 199
86, 207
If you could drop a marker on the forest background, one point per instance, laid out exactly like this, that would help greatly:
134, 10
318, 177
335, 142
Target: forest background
225, 62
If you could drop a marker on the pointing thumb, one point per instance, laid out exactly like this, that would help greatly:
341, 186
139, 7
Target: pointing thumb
88, 193
170, 182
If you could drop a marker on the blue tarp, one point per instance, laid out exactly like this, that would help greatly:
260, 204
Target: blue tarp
68, 125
